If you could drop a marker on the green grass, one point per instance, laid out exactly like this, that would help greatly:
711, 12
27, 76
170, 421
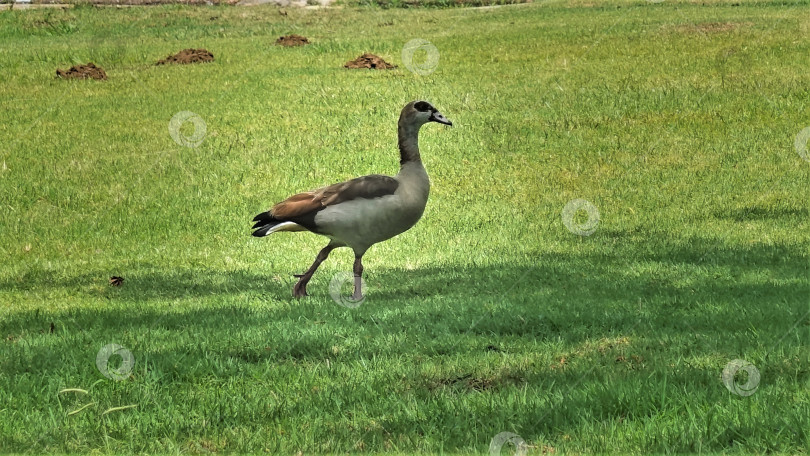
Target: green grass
489, 316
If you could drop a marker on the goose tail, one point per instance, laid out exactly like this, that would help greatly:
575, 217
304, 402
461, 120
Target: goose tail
267, 224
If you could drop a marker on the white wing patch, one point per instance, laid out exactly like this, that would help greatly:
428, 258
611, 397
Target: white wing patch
286, 226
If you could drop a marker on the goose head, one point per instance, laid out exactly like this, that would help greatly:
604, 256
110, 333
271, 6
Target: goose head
420, 112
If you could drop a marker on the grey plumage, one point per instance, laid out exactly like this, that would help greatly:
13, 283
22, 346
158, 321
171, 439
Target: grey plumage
364, 211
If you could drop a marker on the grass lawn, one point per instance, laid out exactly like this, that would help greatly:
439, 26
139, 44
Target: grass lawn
677, 122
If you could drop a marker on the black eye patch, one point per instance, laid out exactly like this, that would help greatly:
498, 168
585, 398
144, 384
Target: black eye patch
423, 106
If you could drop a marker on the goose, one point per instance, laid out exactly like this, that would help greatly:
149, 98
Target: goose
363, 211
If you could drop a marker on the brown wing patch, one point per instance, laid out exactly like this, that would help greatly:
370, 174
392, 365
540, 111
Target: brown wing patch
298, 204
368, 187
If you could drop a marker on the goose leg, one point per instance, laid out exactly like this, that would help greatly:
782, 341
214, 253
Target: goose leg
358, 274
300, 288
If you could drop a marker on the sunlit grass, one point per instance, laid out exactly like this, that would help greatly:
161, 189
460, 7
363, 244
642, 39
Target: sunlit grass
490, 315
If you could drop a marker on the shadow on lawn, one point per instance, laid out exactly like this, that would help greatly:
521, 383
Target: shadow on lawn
663, 292
686, 286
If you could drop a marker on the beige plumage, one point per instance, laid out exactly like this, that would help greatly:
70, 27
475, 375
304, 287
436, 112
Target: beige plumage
364, 211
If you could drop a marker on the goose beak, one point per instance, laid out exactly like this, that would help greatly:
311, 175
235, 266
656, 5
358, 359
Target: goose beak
439, 117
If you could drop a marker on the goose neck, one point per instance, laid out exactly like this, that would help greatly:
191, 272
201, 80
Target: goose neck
408, 135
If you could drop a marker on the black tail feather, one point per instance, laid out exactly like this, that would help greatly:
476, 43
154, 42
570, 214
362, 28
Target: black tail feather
264, 222
264, 217
262, 231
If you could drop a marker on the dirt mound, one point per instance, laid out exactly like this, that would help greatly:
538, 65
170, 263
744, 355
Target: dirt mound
88, 71
292, 40
188, 56
369, 61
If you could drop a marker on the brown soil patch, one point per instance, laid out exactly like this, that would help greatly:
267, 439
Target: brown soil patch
292, 40
465, 381
88, 71
369, 61
469, 382
188, 56
710, 27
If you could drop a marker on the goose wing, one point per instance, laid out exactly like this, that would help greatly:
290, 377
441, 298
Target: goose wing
307, 203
